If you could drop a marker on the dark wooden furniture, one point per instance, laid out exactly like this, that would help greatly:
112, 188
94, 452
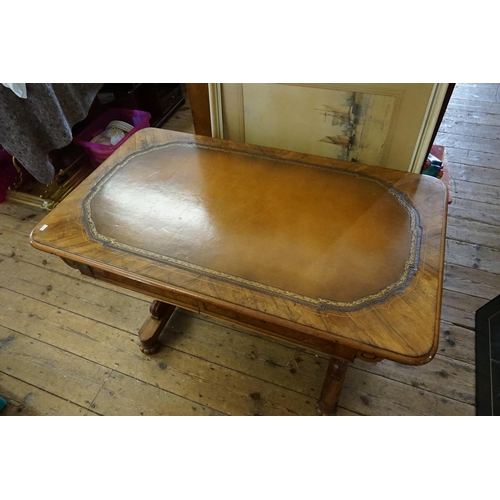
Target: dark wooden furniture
161, 100
337, 257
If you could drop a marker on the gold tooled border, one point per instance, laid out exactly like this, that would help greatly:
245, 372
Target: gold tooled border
410, 266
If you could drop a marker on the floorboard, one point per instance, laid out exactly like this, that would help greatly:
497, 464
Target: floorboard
69, 345
475, 210
28, 400
474, 281
482, 159
473, 173
475, 232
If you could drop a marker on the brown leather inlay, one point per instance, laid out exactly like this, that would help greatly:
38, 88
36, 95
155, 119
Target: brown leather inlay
328, 237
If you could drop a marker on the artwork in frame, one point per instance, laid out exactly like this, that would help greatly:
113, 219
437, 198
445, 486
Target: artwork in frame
345, 125
388, 125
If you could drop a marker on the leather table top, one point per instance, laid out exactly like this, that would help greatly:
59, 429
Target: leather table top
351, 251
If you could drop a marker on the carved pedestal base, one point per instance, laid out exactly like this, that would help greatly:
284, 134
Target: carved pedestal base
160, 313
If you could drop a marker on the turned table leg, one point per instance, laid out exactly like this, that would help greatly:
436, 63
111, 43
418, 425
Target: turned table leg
332, 386
334, 380
160, 313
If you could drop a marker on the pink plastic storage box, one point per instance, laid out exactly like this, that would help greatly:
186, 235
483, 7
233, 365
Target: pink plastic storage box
97, 153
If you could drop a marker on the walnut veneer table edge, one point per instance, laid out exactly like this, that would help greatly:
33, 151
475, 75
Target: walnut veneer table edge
342, 351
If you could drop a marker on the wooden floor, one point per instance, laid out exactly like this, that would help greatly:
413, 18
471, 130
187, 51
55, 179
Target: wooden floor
69, 345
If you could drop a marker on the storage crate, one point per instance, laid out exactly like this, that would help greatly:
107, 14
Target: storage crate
97, 153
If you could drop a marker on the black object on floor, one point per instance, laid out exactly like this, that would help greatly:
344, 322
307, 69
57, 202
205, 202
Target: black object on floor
488, 358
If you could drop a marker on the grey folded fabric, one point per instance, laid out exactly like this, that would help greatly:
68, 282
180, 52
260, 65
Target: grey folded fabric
31, 127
